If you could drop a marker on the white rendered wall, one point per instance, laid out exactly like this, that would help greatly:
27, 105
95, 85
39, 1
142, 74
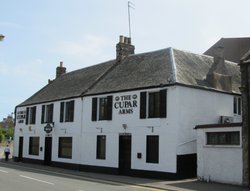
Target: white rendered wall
138, 128
65, 129
219, 163
197, 107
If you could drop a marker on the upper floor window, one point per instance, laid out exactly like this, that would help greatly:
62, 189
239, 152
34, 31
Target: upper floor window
30, 115
47, 113
102, 108
237, 105
153, 104
67, 111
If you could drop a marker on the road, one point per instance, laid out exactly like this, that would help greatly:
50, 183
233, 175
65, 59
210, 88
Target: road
27, 179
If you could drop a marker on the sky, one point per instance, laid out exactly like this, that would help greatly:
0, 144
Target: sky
39, 34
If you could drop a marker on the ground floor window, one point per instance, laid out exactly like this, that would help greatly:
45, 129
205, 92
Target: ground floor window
65, 147
101, 147
34, 146
223, 138
152, 155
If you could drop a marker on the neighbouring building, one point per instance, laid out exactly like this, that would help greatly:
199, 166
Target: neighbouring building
219, 153
234, 48
132, 115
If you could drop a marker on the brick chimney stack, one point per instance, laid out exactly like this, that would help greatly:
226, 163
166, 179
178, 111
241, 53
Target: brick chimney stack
60, 70
124, 48
218, 76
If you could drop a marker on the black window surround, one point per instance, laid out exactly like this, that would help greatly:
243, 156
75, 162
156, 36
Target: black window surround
101, 147
30, 115
152, 149
237, 105
102, 108
34, 145
65, 147
47, 113
223, 138
153, 104
67, 111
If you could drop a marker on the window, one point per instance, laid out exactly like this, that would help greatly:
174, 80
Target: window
47, 113
34, 146
31, 115
237, 105
101, 147
65, 147
152, 155
153, 104
67, 111
102, 108
223, 138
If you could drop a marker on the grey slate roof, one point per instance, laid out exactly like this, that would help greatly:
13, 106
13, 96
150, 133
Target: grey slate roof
153, 69
234, 48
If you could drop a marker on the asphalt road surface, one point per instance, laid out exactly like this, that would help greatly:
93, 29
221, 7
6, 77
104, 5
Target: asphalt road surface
22, 179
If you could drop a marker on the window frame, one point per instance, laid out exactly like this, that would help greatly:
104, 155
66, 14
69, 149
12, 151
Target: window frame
30, 115
152, 149
223, 138
47, 113
101, 141
146, 106
67, 111
34, 144
61, 151
237, 105
102, 112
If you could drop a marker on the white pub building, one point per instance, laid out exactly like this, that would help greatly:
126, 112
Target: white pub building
134, 115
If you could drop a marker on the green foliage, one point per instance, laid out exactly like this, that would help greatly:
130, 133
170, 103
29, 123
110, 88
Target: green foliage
6, 133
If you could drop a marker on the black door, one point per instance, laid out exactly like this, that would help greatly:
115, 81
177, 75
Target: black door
20, 149
47, 150
124, 154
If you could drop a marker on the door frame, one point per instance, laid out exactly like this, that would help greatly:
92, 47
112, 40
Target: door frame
20, 149
47, 150
125, 156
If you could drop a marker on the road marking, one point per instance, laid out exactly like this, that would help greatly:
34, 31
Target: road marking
147, 188
37, 180
4, 171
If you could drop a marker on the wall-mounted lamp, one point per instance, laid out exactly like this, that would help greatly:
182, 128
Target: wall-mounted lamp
151, 127
99, 128
125, 126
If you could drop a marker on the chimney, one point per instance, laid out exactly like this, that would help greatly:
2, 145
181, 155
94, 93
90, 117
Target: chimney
124, 48
218, 76
60, 70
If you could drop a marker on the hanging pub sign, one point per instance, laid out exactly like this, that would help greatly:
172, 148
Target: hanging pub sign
126, 103
48, 128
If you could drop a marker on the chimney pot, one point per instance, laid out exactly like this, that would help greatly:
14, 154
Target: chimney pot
61, 64
121, 39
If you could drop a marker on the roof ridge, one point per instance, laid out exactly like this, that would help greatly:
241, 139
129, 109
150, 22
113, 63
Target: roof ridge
173, 64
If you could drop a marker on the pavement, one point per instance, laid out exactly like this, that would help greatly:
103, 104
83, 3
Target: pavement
148, 184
